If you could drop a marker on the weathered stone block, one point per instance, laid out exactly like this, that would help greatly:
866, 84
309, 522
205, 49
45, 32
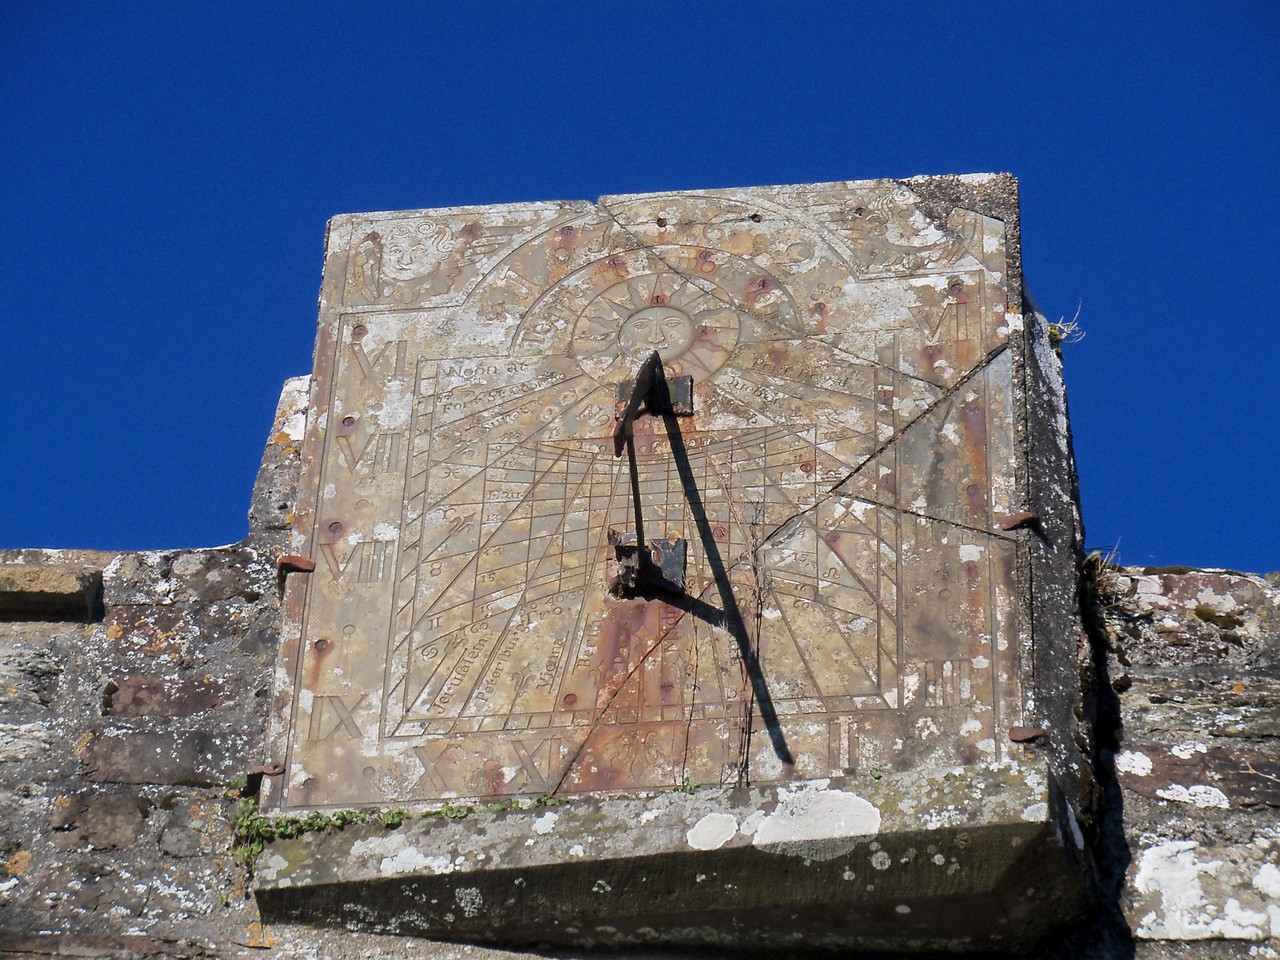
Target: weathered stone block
875, 489
33, 591
141, 695
101, 822
193, 756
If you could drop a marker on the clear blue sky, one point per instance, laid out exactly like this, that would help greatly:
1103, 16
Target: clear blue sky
169, 168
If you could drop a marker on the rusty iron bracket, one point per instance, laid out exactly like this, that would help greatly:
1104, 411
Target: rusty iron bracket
1018, 521
291, 563
1026, 734
650, 392
253, 777
660, 567
647, 565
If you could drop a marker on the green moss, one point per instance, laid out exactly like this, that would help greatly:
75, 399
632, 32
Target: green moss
253, 831
548, 801
1225, 621
392, 818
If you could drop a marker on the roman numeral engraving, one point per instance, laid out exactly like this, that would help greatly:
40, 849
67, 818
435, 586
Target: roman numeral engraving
368, 562
338, 709
842, 745
536, 760
382, 449
392, 357
430, 755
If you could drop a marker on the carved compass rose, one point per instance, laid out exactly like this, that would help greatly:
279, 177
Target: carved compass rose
847, 594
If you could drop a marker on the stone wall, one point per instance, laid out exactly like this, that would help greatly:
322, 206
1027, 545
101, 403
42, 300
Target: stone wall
133, 695
1194, 659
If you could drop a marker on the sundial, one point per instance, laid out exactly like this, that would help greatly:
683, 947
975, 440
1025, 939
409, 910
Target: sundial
693, 568
848, 599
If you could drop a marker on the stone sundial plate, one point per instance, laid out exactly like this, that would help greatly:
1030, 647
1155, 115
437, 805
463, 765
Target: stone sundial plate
852, 604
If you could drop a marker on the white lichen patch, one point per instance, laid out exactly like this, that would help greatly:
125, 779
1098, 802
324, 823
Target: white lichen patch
470, 900
1185, 895
712, 832
1130, 761
545, 823
818, 824
269, 867
395, 855
1036, 812
1200, 795
1267, 880
751, 823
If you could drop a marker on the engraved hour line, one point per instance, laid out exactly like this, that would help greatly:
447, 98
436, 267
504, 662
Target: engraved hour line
795, 645
773, 481
898, 580
830, 340
771, 423
799, 648
409, 570
873, 594
617, 688
412, 702
757, 380
782, 428
499, 594
722, 669
520, 601
878, 599
726, 484
480, 547
822, 609
573, 406
595, 552
563, 453
574, 646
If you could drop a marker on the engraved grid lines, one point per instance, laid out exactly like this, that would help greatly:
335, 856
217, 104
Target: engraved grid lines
531, 546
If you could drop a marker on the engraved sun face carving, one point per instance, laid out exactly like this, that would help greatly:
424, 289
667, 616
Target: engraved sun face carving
668, 330
694, 329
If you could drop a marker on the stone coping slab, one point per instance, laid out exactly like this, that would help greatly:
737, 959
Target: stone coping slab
960, 859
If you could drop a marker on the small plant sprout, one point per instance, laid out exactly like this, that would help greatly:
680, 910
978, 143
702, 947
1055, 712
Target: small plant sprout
1066, 331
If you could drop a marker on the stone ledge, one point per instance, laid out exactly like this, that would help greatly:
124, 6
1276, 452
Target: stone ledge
962, 859
54, 592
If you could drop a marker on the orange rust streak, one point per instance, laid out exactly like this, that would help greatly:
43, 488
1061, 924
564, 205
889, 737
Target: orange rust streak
624, 622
